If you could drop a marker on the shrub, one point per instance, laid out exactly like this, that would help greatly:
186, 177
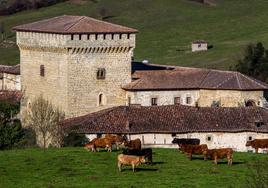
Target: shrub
75, 140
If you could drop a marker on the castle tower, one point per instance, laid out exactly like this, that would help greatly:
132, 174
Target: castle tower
78, 63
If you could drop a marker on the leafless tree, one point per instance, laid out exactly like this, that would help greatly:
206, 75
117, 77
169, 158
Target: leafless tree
44, 118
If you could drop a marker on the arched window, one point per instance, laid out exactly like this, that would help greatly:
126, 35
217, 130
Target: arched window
101, 99
250, 103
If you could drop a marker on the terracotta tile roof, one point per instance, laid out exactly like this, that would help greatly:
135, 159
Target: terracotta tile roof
170, 119
73, 25
199, 42
11, 96
192, 78
10, 69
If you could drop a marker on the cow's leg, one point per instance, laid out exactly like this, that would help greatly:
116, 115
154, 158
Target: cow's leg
119, 166
256, 150
230, 160
190, 156
215, 160
133, 167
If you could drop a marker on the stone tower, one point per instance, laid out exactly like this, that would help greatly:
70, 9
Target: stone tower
78, 63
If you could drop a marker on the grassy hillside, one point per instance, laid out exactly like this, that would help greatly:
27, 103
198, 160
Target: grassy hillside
76, 167
167, 27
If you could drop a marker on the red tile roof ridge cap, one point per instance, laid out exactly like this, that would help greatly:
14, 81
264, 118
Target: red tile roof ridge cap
81, 18
238, 81
252, 80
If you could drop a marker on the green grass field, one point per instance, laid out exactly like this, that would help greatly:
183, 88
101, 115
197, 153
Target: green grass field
167, 27
76, 167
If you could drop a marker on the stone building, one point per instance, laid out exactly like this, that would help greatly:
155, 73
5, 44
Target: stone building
10, 77
78, 63
157, 126
199, 45
84, 65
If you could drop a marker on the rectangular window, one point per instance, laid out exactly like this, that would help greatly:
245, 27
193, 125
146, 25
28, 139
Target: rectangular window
177, 100
80, 36
72, 37
104, 36
188, 100
112, 36
120, 36
96, 36
42, 70
154, 101
129, 100
101, 74
128, 36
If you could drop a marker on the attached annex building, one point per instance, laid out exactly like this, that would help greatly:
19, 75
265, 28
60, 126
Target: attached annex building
84, 65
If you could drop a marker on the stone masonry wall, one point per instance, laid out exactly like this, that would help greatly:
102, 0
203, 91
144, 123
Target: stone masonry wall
71, 63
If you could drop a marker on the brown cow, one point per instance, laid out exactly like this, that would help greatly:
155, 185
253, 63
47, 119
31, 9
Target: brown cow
97, 143
115, 139
129, 160
133, 144
193, 149
258, 143
216, 154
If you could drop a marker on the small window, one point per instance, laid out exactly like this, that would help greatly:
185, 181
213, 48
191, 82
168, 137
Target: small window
88, 37
101, 74
173, 134
80, 36
209, 138
188, 100
249, 138
99, 135
154, 101
96, 36
112, 36
120, 36
128, 36
177, 100
129, 100
100, 99
199, 45
42, 70
72, 37
259, 124
104, 36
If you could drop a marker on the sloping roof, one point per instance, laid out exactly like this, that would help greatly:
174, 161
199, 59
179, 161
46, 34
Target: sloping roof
73, 25
11, 96
193, 78
10, 69
199, 42
169, 119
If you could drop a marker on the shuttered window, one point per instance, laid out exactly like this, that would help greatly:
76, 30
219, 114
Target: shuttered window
42, 70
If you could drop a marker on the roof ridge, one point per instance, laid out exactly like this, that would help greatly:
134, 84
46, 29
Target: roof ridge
75, 23
238, 81
205, 77
252, 80
226, 81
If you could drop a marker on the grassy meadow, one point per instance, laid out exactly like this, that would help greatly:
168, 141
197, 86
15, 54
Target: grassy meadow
76, 167
166, 27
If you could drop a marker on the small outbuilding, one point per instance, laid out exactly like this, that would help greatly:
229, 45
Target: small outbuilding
10, 77
199, 45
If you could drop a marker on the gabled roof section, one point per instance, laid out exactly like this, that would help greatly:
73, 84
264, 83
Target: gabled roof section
10, 69
73, 25
170, 119
192, 78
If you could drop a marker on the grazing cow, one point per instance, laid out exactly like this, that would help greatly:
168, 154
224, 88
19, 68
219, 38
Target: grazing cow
191, 141
258, 143
133, 144
146, 152
129, 160
97, 143
115, 139
193, 149
216, 154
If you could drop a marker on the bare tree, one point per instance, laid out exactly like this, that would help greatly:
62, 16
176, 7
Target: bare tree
44, 118
2, 31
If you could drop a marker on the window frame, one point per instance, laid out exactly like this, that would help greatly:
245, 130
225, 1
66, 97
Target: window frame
101, 74
154, 101
42, 70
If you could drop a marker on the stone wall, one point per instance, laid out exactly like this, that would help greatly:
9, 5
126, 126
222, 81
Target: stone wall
10, 82
163, 97
70, 63
204, 98
229, 98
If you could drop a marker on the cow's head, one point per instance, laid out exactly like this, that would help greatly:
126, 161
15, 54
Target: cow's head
142, 159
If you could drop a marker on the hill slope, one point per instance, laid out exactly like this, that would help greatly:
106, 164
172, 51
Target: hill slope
167, 27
